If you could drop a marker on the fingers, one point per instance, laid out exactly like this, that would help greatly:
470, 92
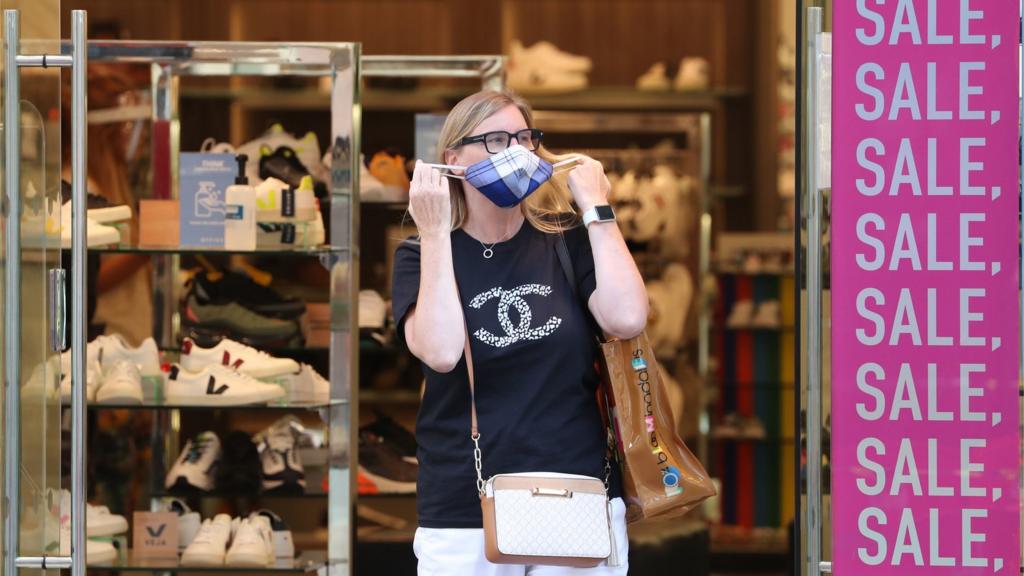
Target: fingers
436, 179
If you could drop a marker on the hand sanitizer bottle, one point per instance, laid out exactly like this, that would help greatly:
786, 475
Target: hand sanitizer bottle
240, 211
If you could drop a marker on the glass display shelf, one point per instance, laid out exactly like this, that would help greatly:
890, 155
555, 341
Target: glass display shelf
725, 271
389, 396
759, 329
427, 98
750, 439
267, 251
305, 562
252, 407
224, 495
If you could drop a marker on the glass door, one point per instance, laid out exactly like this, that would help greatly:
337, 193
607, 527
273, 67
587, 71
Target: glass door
31, 289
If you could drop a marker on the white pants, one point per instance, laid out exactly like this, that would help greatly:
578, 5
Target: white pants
460, 552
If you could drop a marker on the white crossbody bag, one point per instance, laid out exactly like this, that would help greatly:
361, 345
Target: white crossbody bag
542, 518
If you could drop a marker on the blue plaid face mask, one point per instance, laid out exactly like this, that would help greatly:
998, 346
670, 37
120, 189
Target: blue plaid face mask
508, 177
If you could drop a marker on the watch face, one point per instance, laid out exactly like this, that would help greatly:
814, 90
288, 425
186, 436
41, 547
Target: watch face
605, 212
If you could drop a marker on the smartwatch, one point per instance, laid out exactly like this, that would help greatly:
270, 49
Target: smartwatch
601, 213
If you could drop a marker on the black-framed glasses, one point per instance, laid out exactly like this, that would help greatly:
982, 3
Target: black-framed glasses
499, 140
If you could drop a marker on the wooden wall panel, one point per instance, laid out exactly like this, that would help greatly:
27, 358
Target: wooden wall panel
624, 37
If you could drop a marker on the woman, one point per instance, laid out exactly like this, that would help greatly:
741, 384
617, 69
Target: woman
124, 302
532, 340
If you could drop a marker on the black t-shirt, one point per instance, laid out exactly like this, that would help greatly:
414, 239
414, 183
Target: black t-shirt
533, 353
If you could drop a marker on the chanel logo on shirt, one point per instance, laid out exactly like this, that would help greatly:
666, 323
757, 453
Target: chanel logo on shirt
514, 298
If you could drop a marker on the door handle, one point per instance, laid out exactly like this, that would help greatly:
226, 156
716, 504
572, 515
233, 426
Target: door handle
58, 309
13, 61
814, 300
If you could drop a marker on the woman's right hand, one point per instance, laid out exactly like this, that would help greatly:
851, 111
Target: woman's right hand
430, 200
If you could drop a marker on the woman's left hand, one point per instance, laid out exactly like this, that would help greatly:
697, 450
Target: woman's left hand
588, 184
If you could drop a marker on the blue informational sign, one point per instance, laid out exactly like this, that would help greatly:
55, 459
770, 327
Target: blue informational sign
203, 178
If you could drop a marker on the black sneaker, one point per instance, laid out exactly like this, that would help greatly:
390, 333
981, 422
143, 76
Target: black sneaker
284, 164
235, 287
395, 433
382, 468
239, 470
229, 318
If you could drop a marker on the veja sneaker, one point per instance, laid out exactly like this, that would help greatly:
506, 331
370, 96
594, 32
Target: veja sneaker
252, 545
110, 348
307, 386
282, 470
236, 355
276, 201
93, 379
188, 522
288, 235
122, 384
284, 546
217, 385
195, 466
210, 543
655, 79
100, 522
43, 381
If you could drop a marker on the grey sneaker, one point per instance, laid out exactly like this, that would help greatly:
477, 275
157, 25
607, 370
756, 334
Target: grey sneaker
238, 322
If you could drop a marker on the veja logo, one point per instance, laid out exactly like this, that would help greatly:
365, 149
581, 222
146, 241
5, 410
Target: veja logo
155, 533
156, 538
669, 473
269, 202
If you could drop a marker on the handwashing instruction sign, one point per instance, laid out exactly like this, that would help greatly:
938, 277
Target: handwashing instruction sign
925, 305
202, 182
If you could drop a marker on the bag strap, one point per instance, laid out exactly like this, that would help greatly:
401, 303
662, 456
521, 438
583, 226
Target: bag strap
467, 351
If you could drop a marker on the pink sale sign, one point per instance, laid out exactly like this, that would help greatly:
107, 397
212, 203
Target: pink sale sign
925, 306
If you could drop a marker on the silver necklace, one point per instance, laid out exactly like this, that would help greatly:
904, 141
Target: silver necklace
489, 250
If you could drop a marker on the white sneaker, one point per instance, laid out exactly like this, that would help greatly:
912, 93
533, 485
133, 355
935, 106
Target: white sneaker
290, 235
767, 315
110, 348
188, 522
98, 519
282, 469
541, 80
252, 544
216, 385
42, 381
693, 74
549, 54
93, 379
209, 545
97, 233
270, 201
307, 386
213, 147
284, 546
100, 522
236, 355
742, 314
307, 150
122, 384
655, 79
196, 464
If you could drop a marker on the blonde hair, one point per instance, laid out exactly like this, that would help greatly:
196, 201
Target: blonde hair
548, 208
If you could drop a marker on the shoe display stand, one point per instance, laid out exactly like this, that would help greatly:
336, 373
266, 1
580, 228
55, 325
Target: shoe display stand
325, 542
751, 419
